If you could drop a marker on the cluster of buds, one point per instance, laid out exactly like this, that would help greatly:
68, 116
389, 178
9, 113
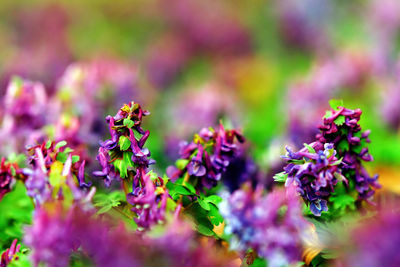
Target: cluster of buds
207, 156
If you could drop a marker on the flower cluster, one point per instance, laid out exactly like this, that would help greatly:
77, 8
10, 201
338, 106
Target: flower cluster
207, 156
271, 224
315, 172
341, 128
124, 157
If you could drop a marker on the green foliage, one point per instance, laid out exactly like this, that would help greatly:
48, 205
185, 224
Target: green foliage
335, 103
16, 211
60, 144
182, 163
19, 159
280, 177
106, 201
310, 148
124, 143
340, 120
202, 208
128, 123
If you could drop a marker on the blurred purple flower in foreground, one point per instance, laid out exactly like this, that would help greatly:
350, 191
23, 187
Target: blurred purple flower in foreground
375, 242
272, 225
24, 113
56, 234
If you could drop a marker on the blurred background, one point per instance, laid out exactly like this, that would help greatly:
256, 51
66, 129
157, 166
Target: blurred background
268, 67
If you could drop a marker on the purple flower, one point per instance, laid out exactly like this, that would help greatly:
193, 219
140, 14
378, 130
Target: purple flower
125, 158
372, 242
270, 224
58, 233
208, 155
315, 173
341, 128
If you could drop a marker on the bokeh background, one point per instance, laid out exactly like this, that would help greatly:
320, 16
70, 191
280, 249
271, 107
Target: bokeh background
267, 67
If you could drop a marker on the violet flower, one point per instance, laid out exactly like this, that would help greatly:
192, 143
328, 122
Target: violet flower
341, 128
125, 158
58, 233
377, 249
314, 172
257, 221
208, 156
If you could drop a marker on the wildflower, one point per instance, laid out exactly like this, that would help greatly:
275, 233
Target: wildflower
125, 158
315, 173
208, 156
341, 128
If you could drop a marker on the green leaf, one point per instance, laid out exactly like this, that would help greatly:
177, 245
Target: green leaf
181, 163
213, 199
124, 142
68, 150
121, 167
343, 146
48, 144
129, 123
342, 201
62, 157
61, 144
328, 114
280, 177
204, 230
310, 148
214, 215
180, 189
75, 158
340, 120
335, 103
190, 187
203, 204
